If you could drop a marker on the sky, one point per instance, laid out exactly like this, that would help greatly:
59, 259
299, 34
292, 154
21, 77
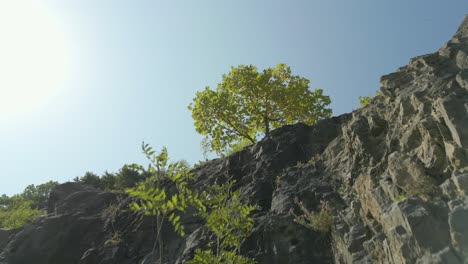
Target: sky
96, 78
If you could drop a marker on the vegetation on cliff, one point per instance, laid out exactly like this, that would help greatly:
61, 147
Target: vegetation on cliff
248, 103
17, 210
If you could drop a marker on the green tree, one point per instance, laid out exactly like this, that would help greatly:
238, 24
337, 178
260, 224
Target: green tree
91, 179
248, 103
38, 194
6, 201
108, 181
16, 211
19, 209
129, 176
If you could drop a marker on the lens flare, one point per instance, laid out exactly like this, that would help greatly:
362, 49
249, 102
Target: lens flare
34, 60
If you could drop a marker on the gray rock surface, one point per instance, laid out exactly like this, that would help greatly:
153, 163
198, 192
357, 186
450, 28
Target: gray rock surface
395, 173
5, 236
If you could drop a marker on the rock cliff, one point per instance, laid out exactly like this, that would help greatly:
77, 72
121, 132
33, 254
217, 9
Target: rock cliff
395, 173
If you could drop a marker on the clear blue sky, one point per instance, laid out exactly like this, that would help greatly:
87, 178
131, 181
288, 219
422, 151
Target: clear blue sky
136, 65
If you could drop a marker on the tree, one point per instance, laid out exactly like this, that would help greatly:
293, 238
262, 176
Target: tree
128, 177
19, 212
19, 209
91, 179
248, 103
38, 194
108, 181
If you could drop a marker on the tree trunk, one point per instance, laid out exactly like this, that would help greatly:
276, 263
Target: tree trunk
267, 125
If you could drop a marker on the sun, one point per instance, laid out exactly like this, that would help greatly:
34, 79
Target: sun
34, 60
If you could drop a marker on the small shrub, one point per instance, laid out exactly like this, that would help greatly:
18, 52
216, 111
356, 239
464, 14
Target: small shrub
300, 165
321, 221
152, 197
114, 241
342, 189
278, 182
314, 160
364, 100
401, 197
237, 147
224, 257
230, 221
200, 163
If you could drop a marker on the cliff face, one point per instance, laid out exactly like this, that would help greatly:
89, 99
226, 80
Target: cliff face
395, 173
411, 140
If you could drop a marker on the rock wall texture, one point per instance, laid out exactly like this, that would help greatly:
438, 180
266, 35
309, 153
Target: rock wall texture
395, 173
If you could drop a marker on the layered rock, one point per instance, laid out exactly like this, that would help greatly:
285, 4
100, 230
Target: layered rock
406, 154
395, 173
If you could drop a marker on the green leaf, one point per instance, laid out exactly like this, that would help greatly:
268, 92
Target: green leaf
170, 205
171, 217
174, 199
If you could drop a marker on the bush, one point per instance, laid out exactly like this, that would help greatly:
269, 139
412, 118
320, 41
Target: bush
167, 194
38, 194
17, 213
364, 100
22, 208
126, 177
321, 221
236, 148
225, 257
90, 179
229, 220
152, 197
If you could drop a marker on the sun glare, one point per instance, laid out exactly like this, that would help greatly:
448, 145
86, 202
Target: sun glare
33, 57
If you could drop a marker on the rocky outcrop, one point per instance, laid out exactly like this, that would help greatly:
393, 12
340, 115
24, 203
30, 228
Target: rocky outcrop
395, 174
5, 236
406, 154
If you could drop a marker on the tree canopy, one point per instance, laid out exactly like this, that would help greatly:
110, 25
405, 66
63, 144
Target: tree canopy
248, 103
38, 194
17, 210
